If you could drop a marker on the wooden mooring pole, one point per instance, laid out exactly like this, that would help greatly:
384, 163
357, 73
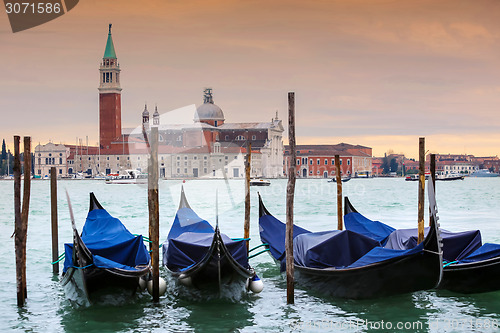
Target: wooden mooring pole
340, 224
246, 225
21, 215
53, 215
290, 191
433, 179
421, 188
154, 214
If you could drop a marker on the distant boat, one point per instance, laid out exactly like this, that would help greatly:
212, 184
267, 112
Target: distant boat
343, 179
450, 176
484, 173
260, 182
130, 177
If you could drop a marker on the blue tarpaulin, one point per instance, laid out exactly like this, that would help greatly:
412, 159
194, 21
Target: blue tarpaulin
487, 251
327, 249
335, 248
373, 229
272, 232
456, 245
189, 240
111, 244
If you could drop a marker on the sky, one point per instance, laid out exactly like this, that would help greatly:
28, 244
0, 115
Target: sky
378, 73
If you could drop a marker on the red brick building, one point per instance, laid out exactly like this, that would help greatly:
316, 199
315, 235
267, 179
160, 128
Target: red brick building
318, 161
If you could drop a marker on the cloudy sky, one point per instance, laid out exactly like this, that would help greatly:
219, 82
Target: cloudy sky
379, 73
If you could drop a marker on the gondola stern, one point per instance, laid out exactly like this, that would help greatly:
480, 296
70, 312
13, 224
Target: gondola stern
348, 207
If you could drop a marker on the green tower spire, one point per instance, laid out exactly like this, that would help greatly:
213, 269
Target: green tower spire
109, 52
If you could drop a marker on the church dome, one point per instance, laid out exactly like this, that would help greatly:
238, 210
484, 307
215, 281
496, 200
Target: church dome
208, 111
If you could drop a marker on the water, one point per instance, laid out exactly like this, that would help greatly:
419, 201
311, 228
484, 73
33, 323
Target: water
463, 205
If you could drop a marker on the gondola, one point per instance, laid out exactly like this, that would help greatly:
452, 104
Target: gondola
469, 265
349, 265
201, 257
105, 258
343, 179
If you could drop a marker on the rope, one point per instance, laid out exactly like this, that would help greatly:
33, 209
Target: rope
449, 263
82, 267
256, 254
240, 239
61, 257
144, 238
261, 245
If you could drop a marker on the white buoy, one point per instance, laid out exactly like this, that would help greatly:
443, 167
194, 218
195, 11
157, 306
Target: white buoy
185, 280
255, 284
142, 284
162, 287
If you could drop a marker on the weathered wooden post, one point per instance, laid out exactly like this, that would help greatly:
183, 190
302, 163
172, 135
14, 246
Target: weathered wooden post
246, 226
154, 214
21, 214
18, 223
53, 215
26, 204
290, 191
340, 224
421, 189
433, 179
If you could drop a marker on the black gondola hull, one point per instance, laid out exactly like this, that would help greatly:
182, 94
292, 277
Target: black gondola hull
405, 275
476, 277
218, 269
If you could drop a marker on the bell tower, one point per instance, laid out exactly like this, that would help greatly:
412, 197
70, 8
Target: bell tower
110, 114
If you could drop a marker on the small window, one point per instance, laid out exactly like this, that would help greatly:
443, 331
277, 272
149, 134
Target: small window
311, 172
317, 161
298, 161
226, 138
311, 162
185, 157
226, 157
178, 170
326, 162
117, 158
204, 157
254, 137
185, 170
178, 158
348, 162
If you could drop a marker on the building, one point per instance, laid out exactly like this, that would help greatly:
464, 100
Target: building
208, 147
318, 161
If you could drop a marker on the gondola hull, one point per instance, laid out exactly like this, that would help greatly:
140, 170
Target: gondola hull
475, 277
216, 271
85, 279
320, 265
467, 278
200, 257
409, 274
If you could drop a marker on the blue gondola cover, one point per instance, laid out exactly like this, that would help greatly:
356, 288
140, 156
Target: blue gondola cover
190, 238
456, 245
111, 244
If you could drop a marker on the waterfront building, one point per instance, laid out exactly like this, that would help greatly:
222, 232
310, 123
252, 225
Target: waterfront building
318, 161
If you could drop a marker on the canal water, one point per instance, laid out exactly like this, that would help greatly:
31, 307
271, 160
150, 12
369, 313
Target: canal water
463, 205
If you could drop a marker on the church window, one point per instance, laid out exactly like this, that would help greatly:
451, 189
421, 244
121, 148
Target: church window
111, 77
107, 77
103, 77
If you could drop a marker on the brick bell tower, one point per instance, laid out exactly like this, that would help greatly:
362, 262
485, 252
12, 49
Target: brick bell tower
110, 114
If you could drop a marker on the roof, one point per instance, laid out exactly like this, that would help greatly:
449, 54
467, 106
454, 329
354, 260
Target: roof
109, 52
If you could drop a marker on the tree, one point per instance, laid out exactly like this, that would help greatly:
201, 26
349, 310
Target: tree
394, 165
4, 151
385, 165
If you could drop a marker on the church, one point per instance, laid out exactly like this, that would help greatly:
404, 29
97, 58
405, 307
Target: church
209, 147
